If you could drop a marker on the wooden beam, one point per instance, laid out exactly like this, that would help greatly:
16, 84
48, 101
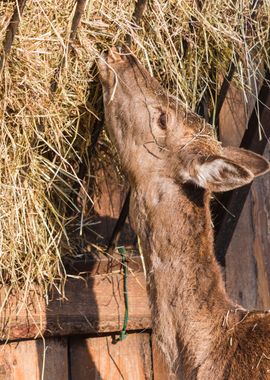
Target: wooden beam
80, 6
93, 304
231, 203
12, 29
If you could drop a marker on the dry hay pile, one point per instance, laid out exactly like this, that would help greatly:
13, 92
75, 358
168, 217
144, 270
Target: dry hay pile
51, 100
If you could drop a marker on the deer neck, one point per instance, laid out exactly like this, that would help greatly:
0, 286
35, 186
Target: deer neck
187, 292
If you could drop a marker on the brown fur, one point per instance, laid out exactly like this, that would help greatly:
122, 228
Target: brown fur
173, 162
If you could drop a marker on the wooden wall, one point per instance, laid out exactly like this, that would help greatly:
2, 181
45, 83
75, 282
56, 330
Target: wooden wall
248, 255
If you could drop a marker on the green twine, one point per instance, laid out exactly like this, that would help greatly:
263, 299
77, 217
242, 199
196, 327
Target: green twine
123, 333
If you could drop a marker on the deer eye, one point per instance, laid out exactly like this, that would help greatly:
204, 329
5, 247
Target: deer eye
162, 121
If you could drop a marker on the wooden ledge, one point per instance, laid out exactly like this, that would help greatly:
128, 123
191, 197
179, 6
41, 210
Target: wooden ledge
94, 304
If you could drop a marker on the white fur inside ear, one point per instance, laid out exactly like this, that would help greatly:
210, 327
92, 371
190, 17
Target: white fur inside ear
215, 171
219, 174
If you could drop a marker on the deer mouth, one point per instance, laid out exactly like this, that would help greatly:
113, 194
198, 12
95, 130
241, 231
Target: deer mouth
116, 54
112, 63
113, 56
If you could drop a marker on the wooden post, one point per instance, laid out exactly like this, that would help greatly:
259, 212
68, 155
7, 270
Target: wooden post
235, 200
12, 29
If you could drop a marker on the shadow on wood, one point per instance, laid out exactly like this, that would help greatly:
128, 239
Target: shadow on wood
127, 360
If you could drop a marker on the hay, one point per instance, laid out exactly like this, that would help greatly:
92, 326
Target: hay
51, 99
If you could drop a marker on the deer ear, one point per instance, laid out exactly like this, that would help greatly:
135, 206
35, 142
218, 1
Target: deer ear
257, 164
236, 168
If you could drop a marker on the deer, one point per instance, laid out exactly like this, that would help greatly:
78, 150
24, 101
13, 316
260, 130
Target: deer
173, 163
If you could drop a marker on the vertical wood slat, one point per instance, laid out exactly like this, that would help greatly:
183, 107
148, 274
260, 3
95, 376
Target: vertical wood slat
107, 207
34, 360
234, 200
12, 29
233, 117
160, 368
98, 358
80, 6
247, 261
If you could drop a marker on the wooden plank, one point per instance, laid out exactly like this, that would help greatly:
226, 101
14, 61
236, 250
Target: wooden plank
233, 201
80, 6
160, 368
34, 360
234, 117
261, 243
108, 201
12, 29
241, 277
52, 356
247, 259
99, 358
94, 304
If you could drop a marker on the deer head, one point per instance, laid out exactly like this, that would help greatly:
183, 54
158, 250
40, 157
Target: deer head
157, 136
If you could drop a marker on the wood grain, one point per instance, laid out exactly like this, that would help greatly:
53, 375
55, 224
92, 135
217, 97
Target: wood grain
235, 114
108, 200
160, 368
94, 304
80, 6
99, 358
12, 29
247, 259
34, 360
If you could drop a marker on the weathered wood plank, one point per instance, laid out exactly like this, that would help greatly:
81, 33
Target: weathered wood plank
80, 6
233, 117
12, 29
247, 259
94, 304
108, 201
99, 358
34, 360
255, 138
160, 368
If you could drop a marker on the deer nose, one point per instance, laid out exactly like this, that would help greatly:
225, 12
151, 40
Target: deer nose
115, 55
